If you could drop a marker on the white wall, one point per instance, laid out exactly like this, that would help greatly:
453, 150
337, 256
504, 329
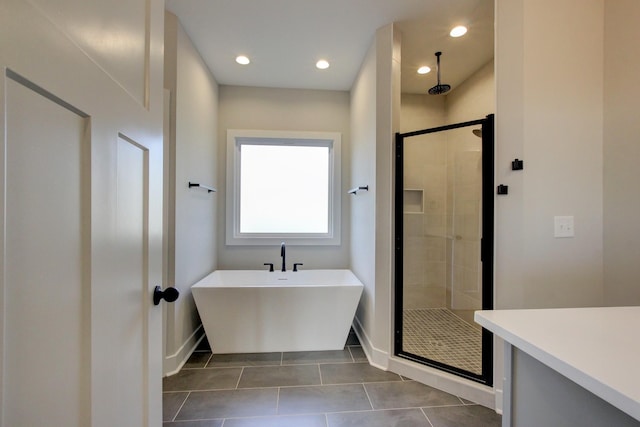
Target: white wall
282, 109
621, 153
192, 156
363, 172
549, 113
375, 117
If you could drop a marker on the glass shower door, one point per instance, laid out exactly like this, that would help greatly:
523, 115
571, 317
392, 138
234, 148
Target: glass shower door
443, 176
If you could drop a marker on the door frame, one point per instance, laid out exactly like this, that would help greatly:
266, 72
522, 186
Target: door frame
486, 246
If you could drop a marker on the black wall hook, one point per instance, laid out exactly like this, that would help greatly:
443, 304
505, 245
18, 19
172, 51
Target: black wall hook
206, 187
517, 165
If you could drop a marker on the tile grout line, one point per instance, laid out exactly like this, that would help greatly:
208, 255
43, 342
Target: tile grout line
425, 415
181, 406
239, 377
320, 374
368, 397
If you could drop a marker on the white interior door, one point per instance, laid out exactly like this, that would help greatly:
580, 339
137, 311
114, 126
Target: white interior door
81, 212
46, 279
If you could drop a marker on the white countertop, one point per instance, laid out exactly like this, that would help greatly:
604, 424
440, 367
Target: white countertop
597, 348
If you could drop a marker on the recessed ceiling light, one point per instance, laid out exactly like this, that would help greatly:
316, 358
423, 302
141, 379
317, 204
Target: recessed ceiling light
424, 70
322, 64
242, 60
458, 31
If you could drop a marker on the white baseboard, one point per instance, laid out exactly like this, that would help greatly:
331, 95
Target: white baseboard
377, 358
173, 363
499, 401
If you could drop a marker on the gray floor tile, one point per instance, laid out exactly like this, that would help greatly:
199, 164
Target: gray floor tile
171, 402
388, 418
357, 353
301, 357
229, 403
319, 399
463, 416
279, 376
346, 373
202, 379
198, 359
280, 421
245, 359
199, 423
407, 394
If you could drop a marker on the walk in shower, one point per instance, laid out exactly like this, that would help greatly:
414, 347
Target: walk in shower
444, 246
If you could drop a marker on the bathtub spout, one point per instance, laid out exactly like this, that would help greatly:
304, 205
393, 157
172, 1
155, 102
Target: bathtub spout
283, 254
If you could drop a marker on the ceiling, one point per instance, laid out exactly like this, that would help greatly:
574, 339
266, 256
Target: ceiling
285, 38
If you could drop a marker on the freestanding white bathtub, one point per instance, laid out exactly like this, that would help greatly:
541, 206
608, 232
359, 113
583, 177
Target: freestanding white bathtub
246, 311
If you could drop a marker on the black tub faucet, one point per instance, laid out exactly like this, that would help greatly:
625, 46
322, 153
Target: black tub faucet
283, 254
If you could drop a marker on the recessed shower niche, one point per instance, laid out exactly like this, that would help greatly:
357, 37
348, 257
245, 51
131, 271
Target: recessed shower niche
413, 201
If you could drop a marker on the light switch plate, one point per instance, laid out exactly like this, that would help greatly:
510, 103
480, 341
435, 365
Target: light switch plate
563, 226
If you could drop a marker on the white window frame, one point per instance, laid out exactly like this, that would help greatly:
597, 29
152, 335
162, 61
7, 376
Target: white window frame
237, 137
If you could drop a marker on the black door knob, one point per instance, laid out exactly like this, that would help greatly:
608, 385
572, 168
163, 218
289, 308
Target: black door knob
169, 295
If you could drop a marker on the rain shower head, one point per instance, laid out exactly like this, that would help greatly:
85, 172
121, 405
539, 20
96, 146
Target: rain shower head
439, 88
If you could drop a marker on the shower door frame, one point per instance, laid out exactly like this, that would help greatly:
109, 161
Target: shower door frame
486, 247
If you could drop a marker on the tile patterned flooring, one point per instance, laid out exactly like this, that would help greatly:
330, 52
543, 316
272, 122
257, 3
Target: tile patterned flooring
438, 334
308, 389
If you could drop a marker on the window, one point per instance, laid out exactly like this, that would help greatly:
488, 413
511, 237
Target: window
283, 186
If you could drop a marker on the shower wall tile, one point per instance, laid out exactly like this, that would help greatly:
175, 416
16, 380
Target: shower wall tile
421, 296
466, 300
414, 260
435, 225
413, 225
435, 274
435, 249
471, 257
471, 281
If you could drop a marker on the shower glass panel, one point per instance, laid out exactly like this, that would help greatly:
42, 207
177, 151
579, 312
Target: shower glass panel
443, 176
